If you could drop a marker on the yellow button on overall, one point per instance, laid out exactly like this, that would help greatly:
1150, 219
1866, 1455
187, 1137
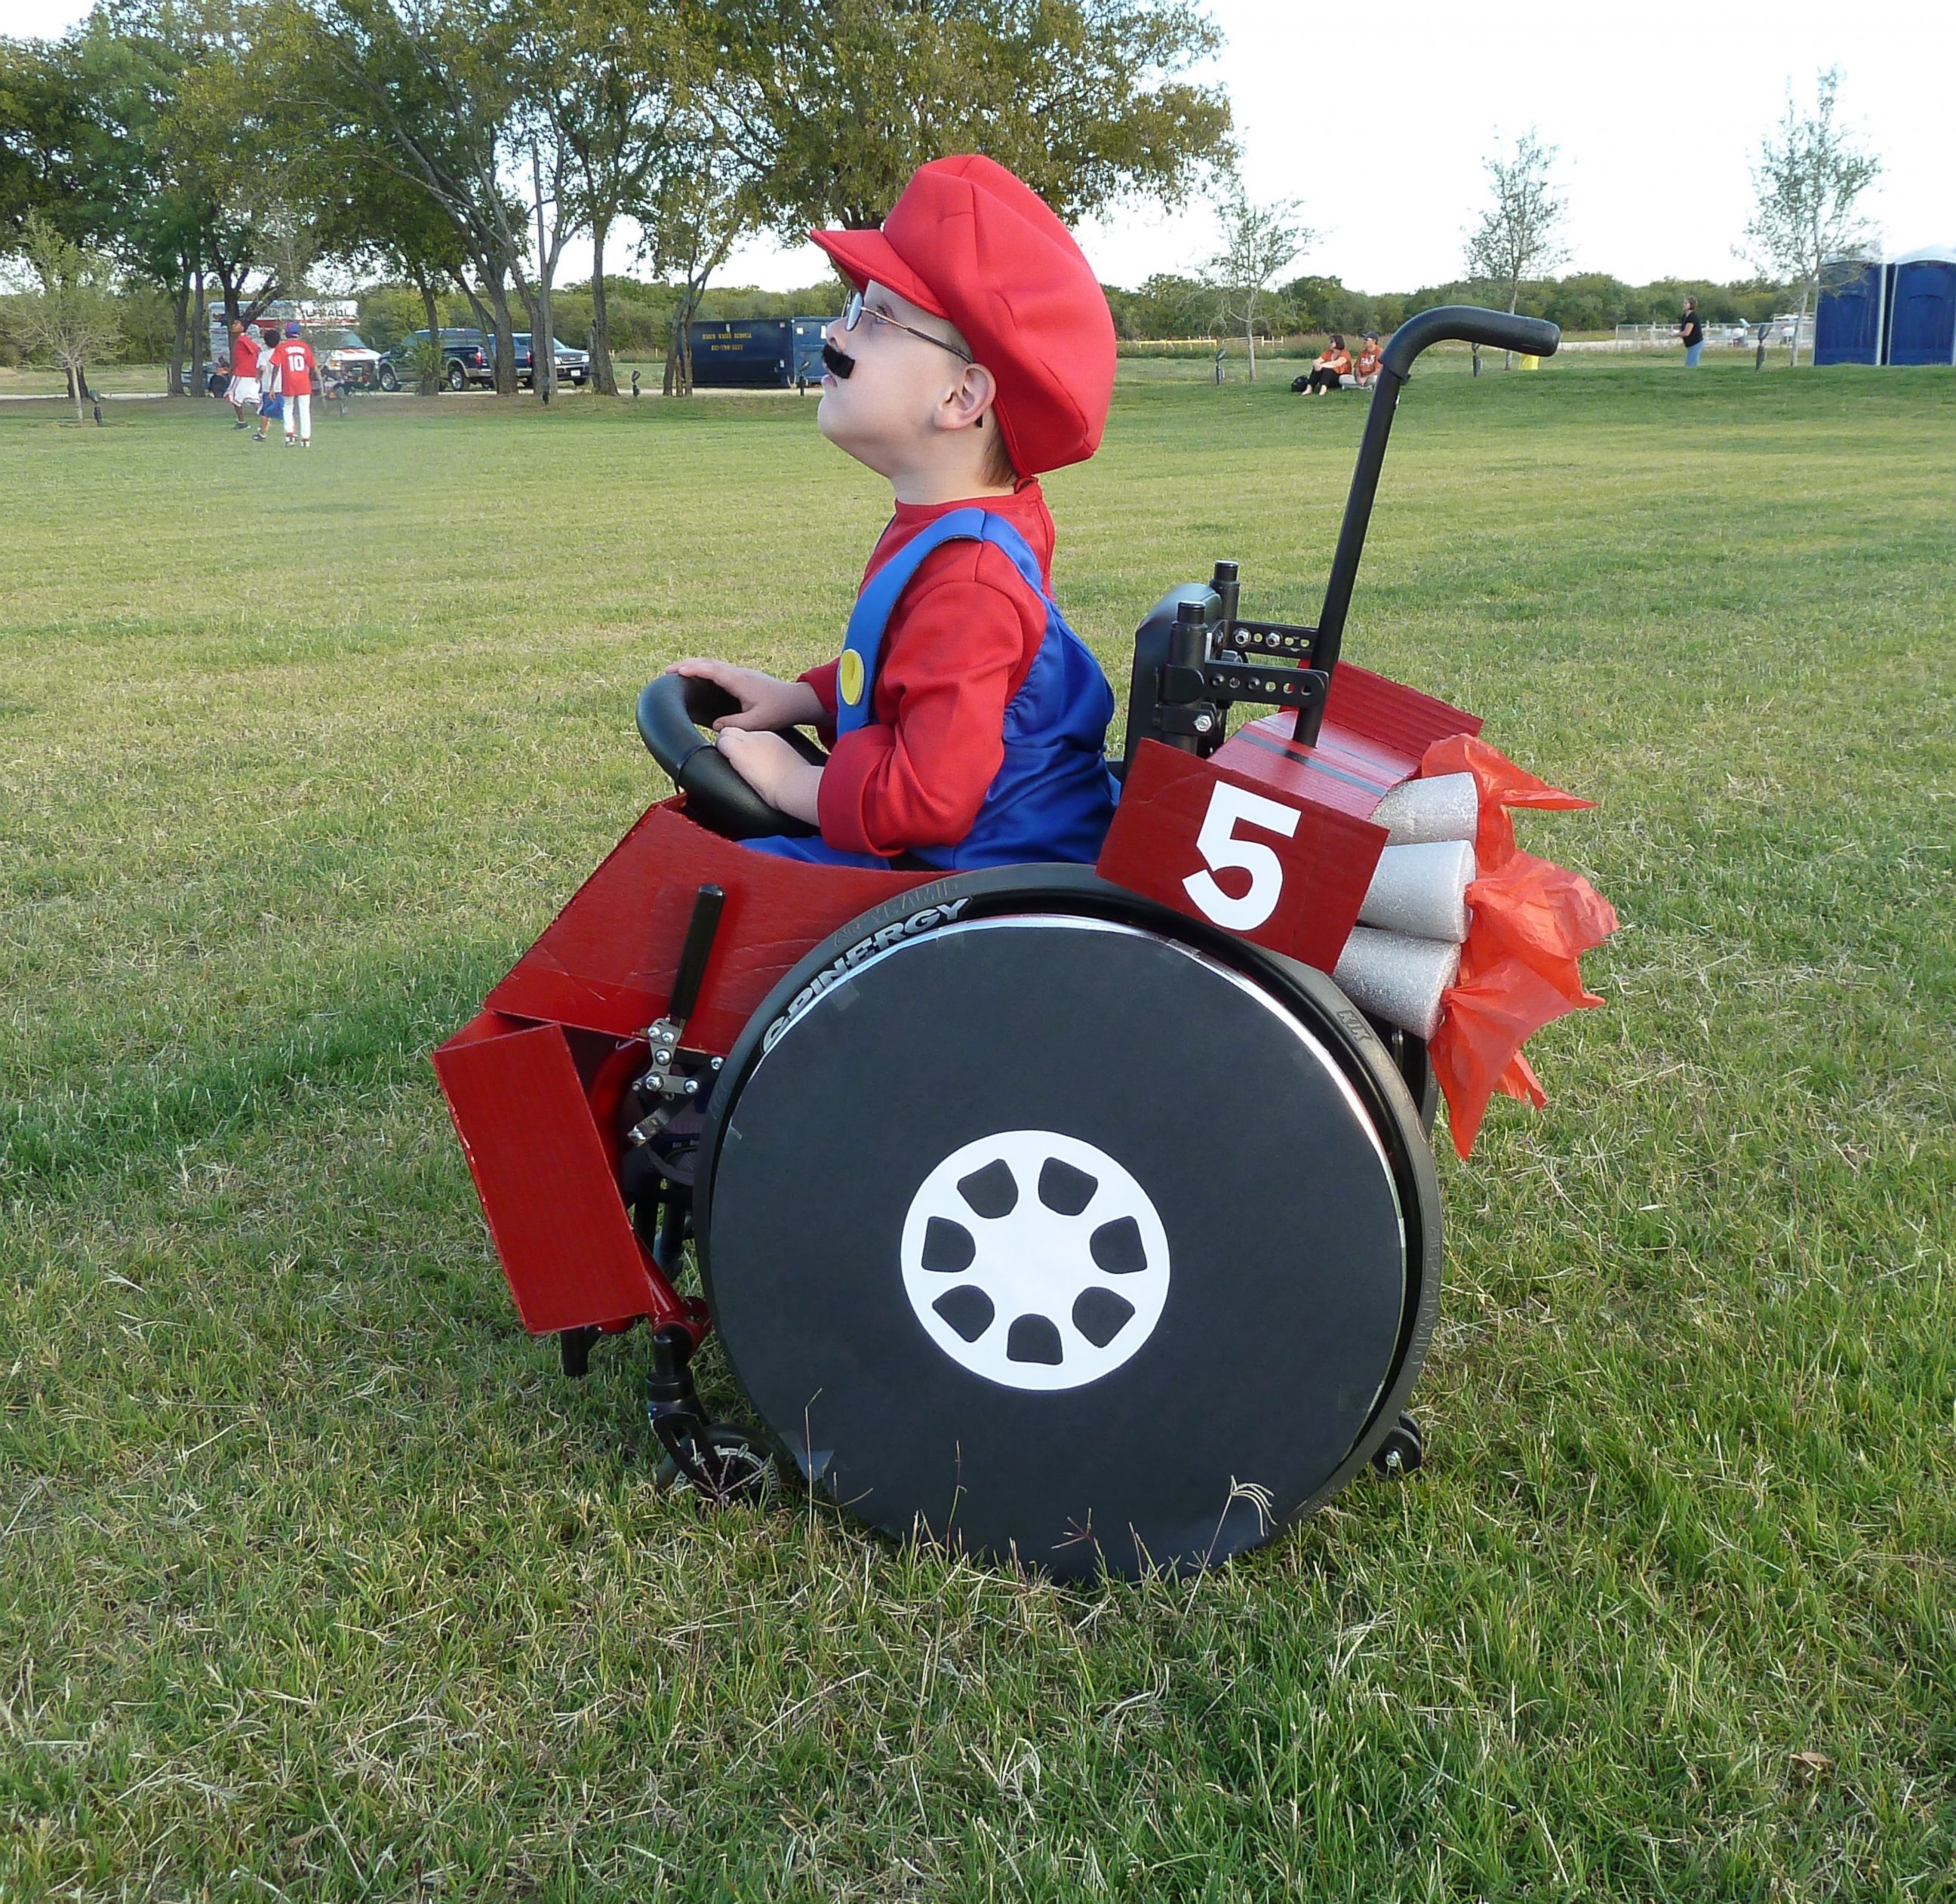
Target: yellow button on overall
849, 677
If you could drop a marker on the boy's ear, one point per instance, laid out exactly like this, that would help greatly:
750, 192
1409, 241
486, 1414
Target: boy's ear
970, 399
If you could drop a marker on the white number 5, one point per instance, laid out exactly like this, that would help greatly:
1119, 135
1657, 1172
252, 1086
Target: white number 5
1218, 845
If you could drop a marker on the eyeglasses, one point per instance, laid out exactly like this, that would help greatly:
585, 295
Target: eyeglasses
855, 311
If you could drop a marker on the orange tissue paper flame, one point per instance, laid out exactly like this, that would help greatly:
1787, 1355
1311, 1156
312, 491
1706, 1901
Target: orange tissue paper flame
1531, 921
1503, 784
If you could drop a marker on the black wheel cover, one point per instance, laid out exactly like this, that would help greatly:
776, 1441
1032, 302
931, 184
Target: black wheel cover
1145, 1092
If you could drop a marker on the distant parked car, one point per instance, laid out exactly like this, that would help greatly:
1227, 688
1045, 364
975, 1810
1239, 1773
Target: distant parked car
573, 366
467, 358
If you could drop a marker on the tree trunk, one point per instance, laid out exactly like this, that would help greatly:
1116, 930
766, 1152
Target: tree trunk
542, 337
543, 343
230, 286
198, 323
1514, 298
77, 379
179, 301
679, 349
506, 337
478, 309
430, 384
602, 373
1809, 290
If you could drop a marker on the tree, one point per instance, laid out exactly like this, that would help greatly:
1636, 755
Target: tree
1167, 305
1517, 237
72, 317
1077, 96
42, 137
700, 200
1258, 241
1810, 177
256, 167
436, 83
406, 234
151, 199
617, 69
76, 115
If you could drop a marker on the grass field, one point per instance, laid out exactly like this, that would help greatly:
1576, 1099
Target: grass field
317, 1581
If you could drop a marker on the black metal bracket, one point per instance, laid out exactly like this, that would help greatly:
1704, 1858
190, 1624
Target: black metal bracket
672, 1404
672, 1077
1201, 722
1230, 681
1192, 666
574, 1347
1282, 638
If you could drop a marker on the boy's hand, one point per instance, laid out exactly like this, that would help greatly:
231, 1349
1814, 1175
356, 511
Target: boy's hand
765, 703
773, 768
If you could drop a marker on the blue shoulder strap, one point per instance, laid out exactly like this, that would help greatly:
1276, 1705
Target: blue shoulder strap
861, 647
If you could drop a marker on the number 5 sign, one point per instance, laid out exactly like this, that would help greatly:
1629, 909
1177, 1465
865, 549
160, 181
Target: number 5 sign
1288, 873
1218, 842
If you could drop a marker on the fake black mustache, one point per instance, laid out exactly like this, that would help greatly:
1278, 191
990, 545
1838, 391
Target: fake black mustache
835, 361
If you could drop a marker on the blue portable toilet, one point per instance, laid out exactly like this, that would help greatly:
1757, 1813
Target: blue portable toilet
1848, 326
1922, 307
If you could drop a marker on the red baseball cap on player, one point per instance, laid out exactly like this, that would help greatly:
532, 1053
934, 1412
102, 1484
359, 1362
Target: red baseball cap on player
968, 242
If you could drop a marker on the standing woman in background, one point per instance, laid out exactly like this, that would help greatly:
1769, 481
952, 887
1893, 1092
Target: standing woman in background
1692, 332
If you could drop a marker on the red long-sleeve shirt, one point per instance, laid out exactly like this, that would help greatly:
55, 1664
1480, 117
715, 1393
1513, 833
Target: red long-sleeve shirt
960, 641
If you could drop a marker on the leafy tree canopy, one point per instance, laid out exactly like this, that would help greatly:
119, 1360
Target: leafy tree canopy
1079, 97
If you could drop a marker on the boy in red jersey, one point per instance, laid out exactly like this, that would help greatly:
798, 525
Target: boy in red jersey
244, 373
295, 360
969, 719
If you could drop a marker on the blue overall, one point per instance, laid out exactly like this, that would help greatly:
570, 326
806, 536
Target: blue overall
1052, 797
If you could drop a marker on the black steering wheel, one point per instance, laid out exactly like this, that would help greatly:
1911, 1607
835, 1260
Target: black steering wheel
672, 712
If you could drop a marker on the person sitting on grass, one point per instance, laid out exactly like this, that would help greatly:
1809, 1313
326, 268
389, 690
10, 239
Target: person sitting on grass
1365, 371
968, 720
1334, 363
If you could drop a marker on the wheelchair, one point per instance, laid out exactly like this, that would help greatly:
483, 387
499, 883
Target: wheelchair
1075, 1217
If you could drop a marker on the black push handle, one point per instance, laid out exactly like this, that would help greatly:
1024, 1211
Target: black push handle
1466, 324
707, 905
1457, 322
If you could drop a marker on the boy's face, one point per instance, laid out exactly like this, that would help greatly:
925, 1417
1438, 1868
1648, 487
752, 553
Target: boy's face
891, 408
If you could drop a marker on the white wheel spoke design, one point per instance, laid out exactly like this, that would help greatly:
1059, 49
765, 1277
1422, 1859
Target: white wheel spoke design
1035, 1259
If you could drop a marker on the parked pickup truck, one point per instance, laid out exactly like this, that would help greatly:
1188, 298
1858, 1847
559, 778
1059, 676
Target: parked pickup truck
467, 358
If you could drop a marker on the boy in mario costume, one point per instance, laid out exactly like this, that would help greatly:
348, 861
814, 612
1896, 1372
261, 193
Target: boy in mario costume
969, 719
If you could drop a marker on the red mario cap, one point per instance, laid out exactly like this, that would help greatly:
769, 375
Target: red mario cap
969, 242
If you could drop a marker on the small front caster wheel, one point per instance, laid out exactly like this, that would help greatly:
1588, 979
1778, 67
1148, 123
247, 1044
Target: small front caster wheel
1401, 1451
739, 1469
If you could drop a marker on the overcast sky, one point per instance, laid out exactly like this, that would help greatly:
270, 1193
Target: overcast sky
1379, 127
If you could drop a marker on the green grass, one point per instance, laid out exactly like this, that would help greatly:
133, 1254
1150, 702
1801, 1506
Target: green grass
316, 1581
